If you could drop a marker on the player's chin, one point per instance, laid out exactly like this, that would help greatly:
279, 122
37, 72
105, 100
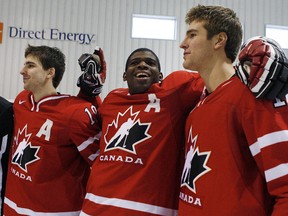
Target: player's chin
188, 66
139, 89
26, 86
184, 64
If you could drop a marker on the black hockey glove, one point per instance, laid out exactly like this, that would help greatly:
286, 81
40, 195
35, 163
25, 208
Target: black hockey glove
263, 67
94, 73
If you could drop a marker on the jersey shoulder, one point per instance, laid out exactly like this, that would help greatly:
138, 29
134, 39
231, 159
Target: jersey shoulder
123, 91
238, 93
181, 77
116, 95
72, 101
184, 74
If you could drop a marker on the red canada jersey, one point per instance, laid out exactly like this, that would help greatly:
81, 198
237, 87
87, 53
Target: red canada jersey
236, 155
55, 142
142, 149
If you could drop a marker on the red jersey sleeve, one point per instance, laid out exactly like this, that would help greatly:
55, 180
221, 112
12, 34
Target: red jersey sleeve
267, 133
96, 101
83, 123
190, 87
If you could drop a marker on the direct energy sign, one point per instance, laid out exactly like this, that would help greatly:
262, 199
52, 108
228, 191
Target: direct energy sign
50, 34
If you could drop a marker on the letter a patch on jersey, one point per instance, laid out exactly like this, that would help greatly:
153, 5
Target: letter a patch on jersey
126, 131
24, 153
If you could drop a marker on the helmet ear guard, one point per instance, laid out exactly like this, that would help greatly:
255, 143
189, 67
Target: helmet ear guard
267, 74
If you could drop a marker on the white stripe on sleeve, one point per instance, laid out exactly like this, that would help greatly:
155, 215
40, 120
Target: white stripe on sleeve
89, 141
268, 140
276, 172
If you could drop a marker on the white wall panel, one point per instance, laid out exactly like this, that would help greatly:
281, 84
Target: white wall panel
110, 21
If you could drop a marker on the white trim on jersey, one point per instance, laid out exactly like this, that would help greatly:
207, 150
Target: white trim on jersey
137, 206
44, 100
88, 142
268, 140
30, 212
93, 157
276, 172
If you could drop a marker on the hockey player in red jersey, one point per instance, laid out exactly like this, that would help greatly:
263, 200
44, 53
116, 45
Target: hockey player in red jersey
141, 151
236, 145
56, 139
138, 168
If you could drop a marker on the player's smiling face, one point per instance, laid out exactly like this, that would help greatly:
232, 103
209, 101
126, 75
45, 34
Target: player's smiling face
34, 76
142, 71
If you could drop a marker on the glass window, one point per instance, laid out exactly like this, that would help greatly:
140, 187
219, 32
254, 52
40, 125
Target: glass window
279, 34
154, 27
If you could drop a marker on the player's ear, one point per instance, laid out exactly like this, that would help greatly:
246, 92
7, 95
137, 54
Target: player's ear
160, 77
124, 76
220, 39
51, 72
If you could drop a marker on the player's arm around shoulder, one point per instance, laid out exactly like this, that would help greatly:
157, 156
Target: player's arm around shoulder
181, 76
273, 147
178, 79
266, 129
84, 127
187, 84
